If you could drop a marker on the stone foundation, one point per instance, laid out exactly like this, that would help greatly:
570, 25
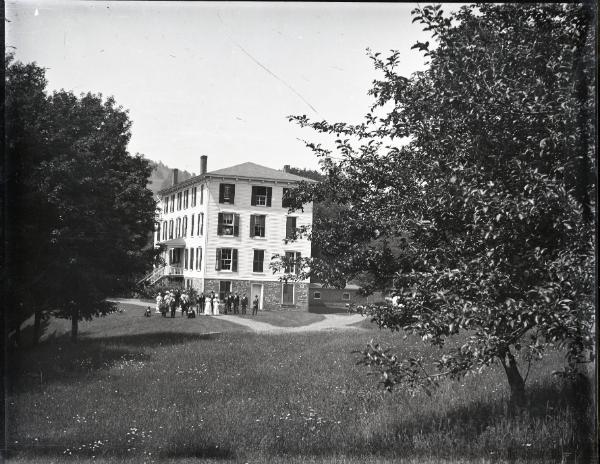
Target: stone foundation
271, 292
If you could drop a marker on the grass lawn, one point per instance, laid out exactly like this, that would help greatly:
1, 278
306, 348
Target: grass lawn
137, 389
284, 318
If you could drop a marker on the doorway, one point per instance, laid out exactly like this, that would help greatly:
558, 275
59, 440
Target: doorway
256, 289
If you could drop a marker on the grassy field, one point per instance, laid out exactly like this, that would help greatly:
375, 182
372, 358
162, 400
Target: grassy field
156, 390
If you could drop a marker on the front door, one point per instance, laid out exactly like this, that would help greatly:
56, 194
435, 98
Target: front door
256, 289
288, 294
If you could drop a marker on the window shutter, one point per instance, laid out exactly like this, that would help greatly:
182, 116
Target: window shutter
200, 223
253, 197
221, 192
220, 225
297, 265
236, 225
232, 194
269, 194
288, 227
218, 263
192, 227
199, 258
252, 221
234, 259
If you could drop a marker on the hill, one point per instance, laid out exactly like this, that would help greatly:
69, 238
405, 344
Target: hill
162, 176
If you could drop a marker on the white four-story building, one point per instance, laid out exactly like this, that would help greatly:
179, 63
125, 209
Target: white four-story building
220, 230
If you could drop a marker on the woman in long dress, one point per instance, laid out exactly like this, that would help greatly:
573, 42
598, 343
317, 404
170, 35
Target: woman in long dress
207, 306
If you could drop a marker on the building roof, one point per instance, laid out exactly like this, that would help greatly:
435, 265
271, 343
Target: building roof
245, 170
255, 171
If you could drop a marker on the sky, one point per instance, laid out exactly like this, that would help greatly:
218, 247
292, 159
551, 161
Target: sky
217, 78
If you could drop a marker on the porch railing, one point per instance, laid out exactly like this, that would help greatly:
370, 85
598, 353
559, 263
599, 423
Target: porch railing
161, 272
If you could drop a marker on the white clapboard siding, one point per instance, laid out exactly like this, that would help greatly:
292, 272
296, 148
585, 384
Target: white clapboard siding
275, 228
272, 243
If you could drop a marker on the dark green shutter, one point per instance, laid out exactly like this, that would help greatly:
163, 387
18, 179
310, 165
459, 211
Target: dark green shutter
236, 225
220, 225
269, 194
253, 197
288, 228
232, 194
218, 263
221, 192
252, 221
234, 259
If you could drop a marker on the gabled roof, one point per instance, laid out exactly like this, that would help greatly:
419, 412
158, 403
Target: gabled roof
254, 170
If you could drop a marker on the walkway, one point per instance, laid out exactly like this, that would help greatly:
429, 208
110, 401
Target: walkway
331, 321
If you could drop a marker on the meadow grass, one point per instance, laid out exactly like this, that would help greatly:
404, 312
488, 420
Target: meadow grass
156, 392
284, 318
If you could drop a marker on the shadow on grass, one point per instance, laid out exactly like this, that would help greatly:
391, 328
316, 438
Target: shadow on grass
58, 360
494, 430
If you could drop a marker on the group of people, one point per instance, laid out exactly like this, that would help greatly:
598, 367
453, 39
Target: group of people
172, 300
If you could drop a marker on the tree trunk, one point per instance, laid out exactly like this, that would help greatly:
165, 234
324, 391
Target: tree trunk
74, 324
37, 326
515, 380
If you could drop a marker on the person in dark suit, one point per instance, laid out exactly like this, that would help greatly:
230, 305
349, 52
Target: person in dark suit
255, 306
201, 302
236, 304
244, 302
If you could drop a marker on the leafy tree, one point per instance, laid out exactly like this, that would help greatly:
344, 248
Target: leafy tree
82, 207
483, 219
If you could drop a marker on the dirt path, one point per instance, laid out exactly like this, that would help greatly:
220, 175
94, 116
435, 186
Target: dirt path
331, 321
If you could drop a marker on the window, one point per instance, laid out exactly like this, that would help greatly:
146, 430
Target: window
258, 262
172, 203
226, 193
192, 227
194, 194
179, 201
226, 259
185, 261
229, 224
257, 225
178, 228
166, 204
224, 289
287, 294
158, 232
317, 295
198, 258
346, 296
170, 229
286, 198
191, 259
261, 196
200, 223
175, 256
184, 231
292, 265
165, 230
186, 197
290, 227
202, 194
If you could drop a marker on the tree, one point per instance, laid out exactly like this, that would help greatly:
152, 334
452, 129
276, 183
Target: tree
483, 219
82, 207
